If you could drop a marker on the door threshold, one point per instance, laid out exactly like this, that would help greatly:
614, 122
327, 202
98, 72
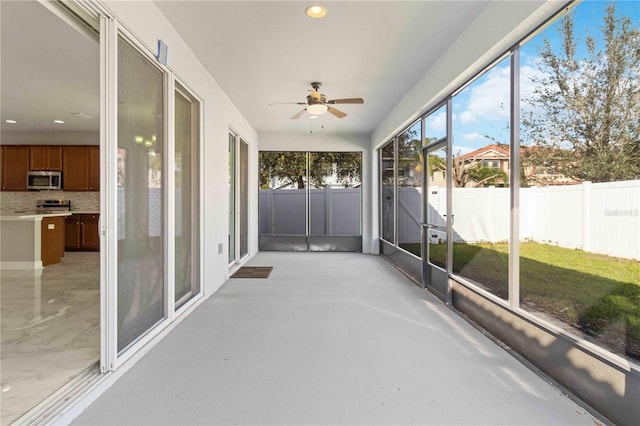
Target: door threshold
52, 407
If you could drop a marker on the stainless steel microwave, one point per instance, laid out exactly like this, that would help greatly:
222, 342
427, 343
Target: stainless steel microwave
44, 180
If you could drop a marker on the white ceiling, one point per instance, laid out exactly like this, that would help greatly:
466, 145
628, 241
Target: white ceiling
49, 71
263, 52
259, 52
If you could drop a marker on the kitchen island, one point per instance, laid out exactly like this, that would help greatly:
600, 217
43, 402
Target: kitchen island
31, 240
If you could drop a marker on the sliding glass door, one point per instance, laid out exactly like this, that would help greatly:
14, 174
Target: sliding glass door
238, 245
186, 196
153, 219
141, 284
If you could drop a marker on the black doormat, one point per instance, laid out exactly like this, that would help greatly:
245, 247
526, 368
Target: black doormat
253, 272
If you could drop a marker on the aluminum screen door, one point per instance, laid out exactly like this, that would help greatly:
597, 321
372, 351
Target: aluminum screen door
434, 226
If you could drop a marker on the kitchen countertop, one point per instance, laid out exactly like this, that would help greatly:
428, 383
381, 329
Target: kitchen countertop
84, 211
31, 214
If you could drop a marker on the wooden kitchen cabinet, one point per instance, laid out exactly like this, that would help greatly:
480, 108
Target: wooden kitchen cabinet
47, 158
15, 165
72, 241
94, 168
81, 168
52, 240
81, 233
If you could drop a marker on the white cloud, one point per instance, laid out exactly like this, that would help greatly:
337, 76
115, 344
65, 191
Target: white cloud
436, 125
472, 136
489, 97
462, 150
468, 117
527, 74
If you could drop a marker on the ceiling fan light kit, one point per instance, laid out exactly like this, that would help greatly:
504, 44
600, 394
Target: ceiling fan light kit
317, 109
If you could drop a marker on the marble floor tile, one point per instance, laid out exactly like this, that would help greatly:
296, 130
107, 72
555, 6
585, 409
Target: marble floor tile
50, 325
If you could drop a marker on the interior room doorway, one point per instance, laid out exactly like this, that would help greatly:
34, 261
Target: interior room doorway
50, 317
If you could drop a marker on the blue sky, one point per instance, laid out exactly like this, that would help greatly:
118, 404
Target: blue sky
482, 109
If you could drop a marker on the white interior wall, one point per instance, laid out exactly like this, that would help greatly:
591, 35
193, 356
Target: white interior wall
149, 25
320, 142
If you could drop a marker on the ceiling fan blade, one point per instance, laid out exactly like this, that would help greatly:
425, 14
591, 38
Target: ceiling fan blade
336, 112
346, 101
298, 115
288, 103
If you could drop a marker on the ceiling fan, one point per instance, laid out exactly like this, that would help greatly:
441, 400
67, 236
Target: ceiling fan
317, 103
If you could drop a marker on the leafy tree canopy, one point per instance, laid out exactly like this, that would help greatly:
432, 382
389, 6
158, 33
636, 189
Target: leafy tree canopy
290, 168
584, 119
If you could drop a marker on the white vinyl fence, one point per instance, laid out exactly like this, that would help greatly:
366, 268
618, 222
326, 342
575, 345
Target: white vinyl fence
595, 217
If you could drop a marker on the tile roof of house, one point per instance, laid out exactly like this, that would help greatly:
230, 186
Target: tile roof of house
478, 152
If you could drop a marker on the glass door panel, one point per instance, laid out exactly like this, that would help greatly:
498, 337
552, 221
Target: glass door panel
232, 198
141, 291
186, 198
244, 198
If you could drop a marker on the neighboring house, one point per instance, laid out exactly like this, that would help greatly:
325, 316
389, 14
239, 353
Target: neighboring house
492, 156
496, 156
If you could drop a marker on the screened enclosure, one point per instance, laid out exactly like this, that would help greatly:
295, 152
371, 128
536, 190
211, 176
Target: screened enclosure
310, 201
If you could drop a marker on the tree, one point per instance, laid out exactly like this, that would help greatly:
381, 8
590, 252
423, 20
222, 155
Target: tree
410, 158
290, 168
486, 176
585, 107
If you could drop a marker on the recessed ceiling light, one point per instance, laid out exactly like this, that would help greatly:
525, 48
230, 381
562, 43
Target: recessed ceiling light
10, 121
316, 11
58, 121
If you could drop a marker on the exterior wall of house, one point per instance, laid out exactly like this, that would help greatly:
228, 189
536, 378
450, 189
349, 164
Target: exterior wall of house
149, 25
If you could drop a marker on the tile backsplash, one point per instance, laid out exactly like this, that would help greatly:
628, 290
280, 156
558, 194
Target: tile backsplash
24, 200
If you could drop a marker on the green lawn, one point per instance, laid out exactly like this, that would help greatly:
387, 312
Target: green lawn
599, 294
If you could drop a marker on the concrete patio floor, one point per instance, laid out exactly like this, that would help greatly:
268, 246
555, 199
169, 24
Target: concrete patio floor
329, 338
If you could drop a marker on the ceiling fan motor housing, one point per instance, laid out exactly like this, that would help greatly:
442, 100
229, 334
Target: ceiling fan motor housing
315, 99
